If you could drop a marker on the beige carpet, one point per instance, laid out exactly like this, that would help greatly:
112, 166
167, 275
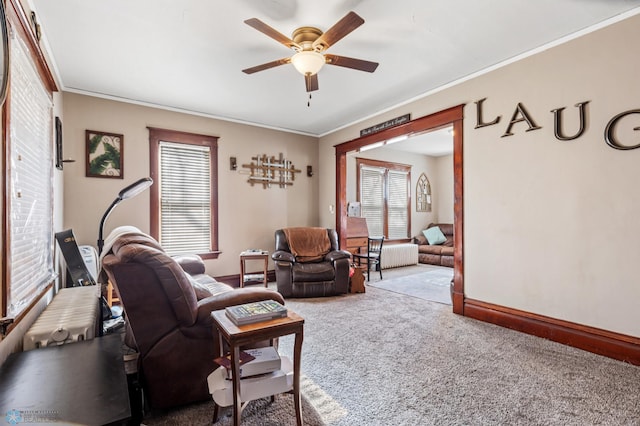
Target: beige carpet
384, 358
422, 281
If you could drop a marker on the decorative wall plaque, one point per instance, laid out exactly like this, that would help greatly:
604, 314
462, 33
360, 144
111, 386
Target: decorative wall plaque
387, 124
423, 194
269, 170
104, 154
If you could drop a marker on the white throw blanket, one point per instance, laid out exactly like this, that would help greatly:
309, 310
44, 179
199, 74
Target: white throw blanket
113, 236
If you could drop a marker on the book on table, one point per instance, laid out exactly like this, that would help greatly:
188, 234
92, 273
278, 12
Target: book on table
254, 387
225, 361
249, 313
258, 361
249, 252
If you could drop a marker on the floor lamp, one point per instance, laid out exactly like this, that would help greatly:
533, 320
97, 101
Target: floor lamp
128, 192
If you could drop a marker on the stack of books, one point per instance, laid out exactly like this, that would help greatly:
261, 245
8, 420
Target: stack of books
250, 313
254, 387
253, 362
249, 252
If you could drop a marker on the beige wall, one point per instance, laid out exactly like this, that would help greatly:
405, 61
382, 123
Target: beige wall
550, 226
442, 188
248, 215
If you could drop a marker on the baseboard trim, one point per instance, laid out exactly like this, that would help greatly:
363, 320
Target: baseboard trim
613, 345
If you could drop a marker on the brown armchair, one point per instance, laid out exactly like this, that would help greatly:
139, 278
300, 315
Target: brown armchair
315, 267
169, 315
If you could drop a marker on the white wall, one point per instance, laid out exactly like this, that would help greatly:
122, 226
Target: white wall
550, 226
442, 188
248, 215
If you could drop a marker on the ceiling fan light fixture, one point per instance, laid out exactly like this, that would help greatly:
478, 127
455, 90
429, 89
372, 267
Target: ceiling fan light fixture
308, 62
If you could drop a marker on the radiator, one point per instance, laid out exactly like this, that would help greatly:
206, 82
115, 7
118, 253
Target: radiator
395, 255
71, 316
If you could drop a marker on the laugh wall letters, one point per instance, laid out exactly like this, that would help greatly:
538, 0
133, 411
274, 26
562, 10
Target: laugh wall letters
520, 114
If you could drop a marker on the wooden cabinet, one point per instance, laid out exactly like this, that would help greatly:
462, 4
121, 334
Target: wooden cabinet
357, 234
357, 245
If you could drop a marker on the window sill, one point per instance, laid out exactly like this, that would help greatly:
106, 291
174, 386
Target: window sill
210, 255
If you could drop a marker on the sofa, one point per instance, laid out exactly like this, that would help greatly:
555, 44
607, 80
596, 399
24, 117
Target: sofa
168, 303
308, 263
440, 253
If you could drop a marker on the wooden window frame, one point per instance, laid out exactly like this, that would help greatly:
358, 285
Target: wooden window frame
156, 135
386, 165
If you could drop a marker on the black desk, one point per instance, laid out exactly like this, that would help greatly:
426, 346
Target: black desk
77, 383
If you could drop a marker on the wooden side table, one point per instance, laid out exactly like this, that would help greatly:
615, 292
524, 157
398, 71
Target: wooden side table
112, 296
251, 255
236, 336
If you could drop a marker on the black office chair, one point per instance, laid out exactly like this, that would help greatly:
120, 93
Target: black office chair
372, 256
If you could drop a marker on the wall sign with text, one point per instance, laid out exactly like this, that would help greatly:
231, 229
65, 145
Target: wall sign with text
386, 125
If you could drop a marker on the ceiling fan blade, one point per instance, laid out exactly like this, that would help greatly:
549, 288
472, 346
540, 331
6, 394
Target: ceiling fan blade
269, 31
267, 65
353, 63
350, 22
311, 81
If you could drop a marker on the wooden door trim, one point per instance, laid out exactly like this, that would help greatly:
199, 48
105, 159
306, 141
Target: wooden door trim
449, 117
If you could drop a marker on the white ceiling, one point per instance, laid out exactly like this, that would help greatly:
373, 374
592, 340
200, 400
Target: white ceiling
188, 55
435, 143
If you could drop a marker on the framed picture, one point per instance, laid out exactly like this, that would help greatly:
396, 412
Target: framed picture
59, 163
104, 154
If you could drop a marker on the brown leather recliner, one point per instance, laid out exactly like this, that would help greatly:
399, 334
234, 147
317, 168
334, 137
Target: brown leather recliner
326, 276
169, 313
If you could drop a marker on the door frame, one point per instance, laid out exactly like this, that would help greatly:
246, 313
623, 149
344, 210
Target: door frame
449, 117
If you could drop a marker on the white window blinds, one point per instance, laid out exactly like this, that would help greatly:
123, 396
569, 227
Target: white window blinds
398, 214
30, 256
185, 198
384, 198
372, 197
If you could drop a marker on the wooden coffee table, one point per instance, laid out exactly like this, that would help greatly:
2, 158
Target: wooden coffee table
236, 336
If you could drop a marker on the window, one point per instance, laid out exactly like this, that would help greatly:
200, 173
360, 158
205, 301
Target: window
28, 262
184, 197
383, 192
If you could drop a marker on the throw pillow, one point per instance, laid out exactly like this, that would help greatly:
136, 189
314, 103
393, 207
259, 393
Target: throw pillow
434, 236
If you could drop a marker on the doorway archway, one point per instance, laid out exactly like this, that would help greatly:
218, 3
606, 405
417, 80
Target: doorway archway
449, 117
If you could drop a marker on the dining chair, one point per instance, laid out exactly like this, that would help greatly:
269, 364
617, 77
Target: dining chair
372, 256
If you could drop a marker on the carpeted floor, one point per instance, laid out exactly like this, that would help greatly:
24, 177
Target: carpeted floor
422, 281
385, 358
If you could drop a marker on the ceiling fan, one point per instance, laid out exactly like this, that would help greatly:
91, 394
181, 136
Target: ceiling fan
310, 44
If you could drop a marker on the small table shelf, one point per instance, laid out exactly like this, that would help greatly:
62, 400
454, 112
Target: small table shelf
237, 336
246, 277
251, 388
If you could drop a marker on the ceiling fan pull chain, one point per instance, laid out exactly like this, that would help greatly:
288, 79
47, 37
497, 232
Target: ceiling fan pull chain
309, 101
